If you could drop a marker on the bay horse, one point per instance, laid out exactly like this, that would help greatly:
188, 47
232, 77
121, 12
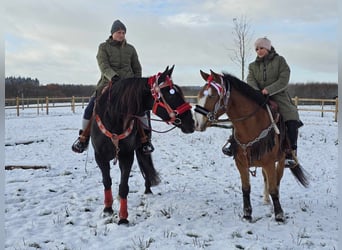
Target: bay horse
258, 140
115, 134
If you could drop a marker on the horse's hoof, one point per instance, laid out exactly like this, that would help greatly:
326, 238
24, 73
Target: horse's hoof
148, 191
247, 218
280, 217
123, 221
108, 211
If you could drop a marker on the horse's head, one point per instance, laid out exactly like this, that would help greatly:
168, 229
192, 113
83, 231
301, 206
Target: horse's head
169, 102
210, 101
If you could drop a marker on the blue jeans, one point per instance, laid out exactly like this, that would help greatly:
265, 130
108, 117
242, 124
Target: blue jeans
88, 112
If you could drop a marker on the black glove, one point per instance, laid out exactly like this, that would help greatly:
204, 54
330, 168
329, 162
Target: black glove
115, 78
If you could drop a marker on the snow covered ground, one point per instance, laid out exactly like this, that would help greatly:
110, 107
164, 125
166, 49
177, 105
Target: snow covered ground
198, 204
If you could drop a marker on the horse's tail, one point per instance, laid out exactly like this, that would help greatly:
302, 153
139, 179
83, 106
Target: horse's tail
301, 175
147, 169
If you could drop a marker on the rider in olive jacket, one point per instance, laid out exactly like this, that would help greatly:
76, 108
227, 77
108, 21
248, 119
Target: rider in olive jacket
270, 74
117, 58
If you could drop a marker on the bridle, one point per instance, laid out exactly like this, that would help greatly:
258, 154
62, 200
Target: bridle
222, 102
160, 101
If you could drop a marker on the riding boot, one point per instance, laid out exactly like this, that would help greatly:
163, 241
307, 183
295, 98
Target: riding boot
145, 132
82, 142
291, 160
228, 148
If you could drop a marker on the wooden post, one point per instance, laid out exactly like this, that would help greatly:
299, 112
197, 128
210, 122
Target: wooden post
47, 104
336, 108
296, 100
37, 106
322, 108
73, 104
17, 104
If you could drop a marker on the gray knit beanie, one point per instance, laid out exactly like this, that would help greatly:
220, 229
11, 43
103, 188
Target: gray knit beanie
263, 43
117, 25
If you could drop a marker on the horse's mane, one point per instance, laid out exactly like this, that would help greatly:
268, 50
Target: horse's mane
244, 88
125, 97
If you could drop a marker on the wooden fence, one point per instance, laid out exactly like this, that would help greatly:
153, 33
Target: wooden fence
72, 102
45, 103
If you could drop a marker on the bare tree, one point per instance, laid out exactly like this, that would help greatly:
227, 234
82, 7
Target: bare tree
241, 41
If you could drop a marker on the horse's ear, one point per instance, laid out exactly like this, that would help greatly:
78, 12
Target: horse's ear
216, 77
204, 75
163, 75
170, 71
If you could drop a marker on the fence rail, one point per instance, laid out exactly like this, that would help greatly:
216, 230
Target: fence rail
73, 102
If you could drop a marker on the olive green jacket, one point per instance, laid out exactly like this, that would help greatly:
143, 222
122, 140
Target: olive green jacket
273, 73
117, 58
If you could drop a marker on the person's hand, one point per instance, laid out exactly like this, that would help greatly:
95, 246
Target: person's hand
264, 92
115, 78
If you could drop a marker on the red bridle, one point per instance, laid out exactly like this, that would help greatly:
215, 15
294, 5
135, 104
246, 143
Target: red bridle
159, 100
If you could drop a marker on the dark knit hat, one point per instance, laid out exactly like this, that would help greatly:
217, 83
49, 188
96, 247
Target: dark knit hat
263, 43
117, 25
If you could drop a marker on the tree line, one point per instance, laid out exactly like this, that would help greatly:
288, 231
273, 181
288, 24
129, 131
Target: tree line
30, 88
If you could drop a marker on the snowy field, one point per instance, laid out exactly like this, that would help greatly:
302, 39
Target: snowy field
198, 204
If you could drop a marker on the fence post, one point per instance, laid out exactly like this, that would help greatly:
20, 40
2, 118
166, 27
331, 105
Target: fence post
37, 106
322, 104
73, 104
336, 108
296, 101
47, 104
17, 104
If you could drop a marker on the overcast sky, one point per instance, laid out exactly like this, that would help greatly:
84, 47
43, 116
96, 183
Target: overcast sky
56, 41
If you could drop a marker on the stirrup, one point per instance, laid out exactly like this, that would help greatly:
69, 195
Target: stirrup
147, 147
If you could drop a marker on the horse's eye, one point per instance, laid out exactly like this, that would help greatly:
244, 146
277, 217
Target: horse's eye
172, 91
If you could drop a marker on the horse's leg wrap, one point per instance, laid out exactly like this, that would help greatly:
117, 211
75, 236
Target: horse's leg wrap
108, 198
123, 213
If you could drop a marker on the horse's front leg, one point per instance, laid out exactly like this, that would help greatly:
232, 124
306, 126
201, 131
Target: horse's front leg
125, 164
246, 190
107, 183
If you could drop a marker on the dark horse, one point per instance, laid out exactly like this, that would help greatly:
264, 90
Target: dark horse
259, 140
115, 134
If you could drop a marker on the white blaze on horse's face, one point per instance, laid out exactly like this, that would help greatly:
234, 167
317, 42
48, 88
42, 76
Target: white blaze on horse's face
201, 120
